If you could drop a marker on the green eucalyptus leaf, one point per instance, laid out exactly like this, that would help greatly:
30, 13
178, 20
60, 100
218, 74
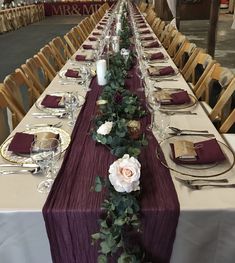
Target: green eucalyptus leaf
102, 259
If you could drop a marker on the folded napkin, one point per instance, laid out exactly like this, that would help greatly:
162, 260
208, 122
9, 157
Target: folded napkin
148, 38
21, 143
72, 73
161, 71
143, 26
87, 46
103, 23
92, 38
96, 34
155, 56
145, 31
177, 98
50, 101
100, 27
207, 152
152, 44
80, 58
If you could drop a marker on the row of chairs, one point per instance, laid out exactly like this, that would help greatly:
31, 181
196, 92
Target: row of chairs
21, 89
14, 18
212, 84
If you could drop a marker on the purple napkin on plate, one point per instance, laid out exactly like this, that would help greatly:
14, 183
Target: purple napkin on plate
152, 45
96, 34
143, 26
166, 71
100, 27
72, 73
155, 56
207, 151
50, 101
80, 58
92, 38
148, 38
21, 143
145, 31
102, 23
87, 46
181, 97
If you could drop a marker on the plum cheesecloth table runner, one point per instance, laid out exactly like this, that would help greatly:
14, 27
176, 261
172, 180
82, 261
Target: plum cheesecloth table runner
71, 211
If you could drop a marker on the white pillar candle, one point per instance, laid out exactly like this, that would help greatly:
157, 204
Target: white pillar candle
115, 43
101, 69
118, 27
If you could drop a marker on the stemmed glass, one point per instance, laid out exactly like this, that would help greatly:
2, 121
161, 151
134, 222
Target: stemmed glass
153, 106
86, 75
44, 153
71, 102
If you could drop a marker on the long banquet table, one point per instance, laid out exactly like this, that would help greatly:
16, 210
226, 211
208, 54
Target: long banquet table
206, 228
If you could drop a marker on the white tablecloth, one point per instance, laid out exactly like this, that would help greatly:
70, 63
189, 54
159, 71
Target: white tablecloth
206, 228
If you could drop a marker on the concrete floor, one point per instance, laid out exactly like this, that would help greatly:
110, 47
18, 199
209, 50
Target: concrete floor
197, 32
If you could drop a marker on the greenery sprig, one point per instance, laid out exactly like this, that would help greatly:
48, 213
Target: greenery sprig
117, 225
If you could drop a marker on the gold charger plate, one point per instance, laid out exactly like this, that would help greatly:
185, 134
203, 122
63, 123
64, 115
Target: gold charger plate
25, 159
196, 170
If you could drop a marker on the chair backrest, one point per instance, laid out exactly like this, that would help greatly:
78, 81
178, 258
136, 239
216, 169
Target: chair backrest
143, 6
198, 68
60, 49
223, 106
184, 53
34, 70
21, 90
10, 116
50, 61
228, 123
217, 80
156, 22
72, 44
158, 29
176, 43
167, 35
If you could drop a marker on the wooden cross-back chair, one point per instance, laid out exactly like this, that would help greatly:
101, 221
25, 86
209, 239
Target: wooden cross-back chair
156, 22
143, 6
151, 16
184, 53
22, 91
81, 33
49, 60
37, 73
71, 42
60, 49
197, 68
10, 115
176, 44
158, 29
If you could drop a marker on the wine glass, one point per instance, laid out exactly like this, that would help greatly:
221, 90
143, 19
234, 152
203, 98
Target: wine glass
71, 102
86, 74
44, 153
162, 123
153, 106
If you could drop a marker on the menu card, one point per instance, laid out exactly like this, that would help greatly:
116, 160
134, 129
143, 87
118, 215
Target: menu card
185, 150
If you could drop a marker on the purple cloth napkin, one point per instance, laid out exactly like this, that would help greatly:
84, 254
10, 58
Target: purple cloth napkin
166, 71
92, 38
180, 97
50, 101
87, 46
148, 38
153, 44
80, 58
100, 27
103, 23
145, 32
143, 26
96, 34
207, 151
158, 55
21, 143
72, 73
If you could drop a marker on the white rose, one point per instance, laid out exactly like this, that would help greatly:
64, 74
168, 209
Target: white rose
105, 128
124, 174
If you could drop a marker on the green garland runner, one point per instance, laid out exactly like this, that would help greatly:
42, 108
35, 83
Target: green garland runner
120, 111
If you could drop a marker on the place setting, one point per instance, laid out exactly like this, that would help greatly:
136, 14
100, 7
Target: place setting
153, 58
198, 161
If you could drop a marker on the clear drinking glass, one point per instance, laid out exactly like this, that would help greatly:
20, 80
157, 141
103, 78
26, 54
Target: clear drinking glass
71, 103
45, 153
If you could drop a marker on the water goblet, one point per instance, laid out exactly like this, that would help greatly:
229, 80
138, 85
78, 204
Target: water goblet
71, 102
44, 153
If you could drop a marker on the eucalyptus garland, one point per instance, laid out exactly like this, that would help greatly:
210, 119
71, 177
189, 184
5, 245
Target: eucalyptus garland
117, 125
